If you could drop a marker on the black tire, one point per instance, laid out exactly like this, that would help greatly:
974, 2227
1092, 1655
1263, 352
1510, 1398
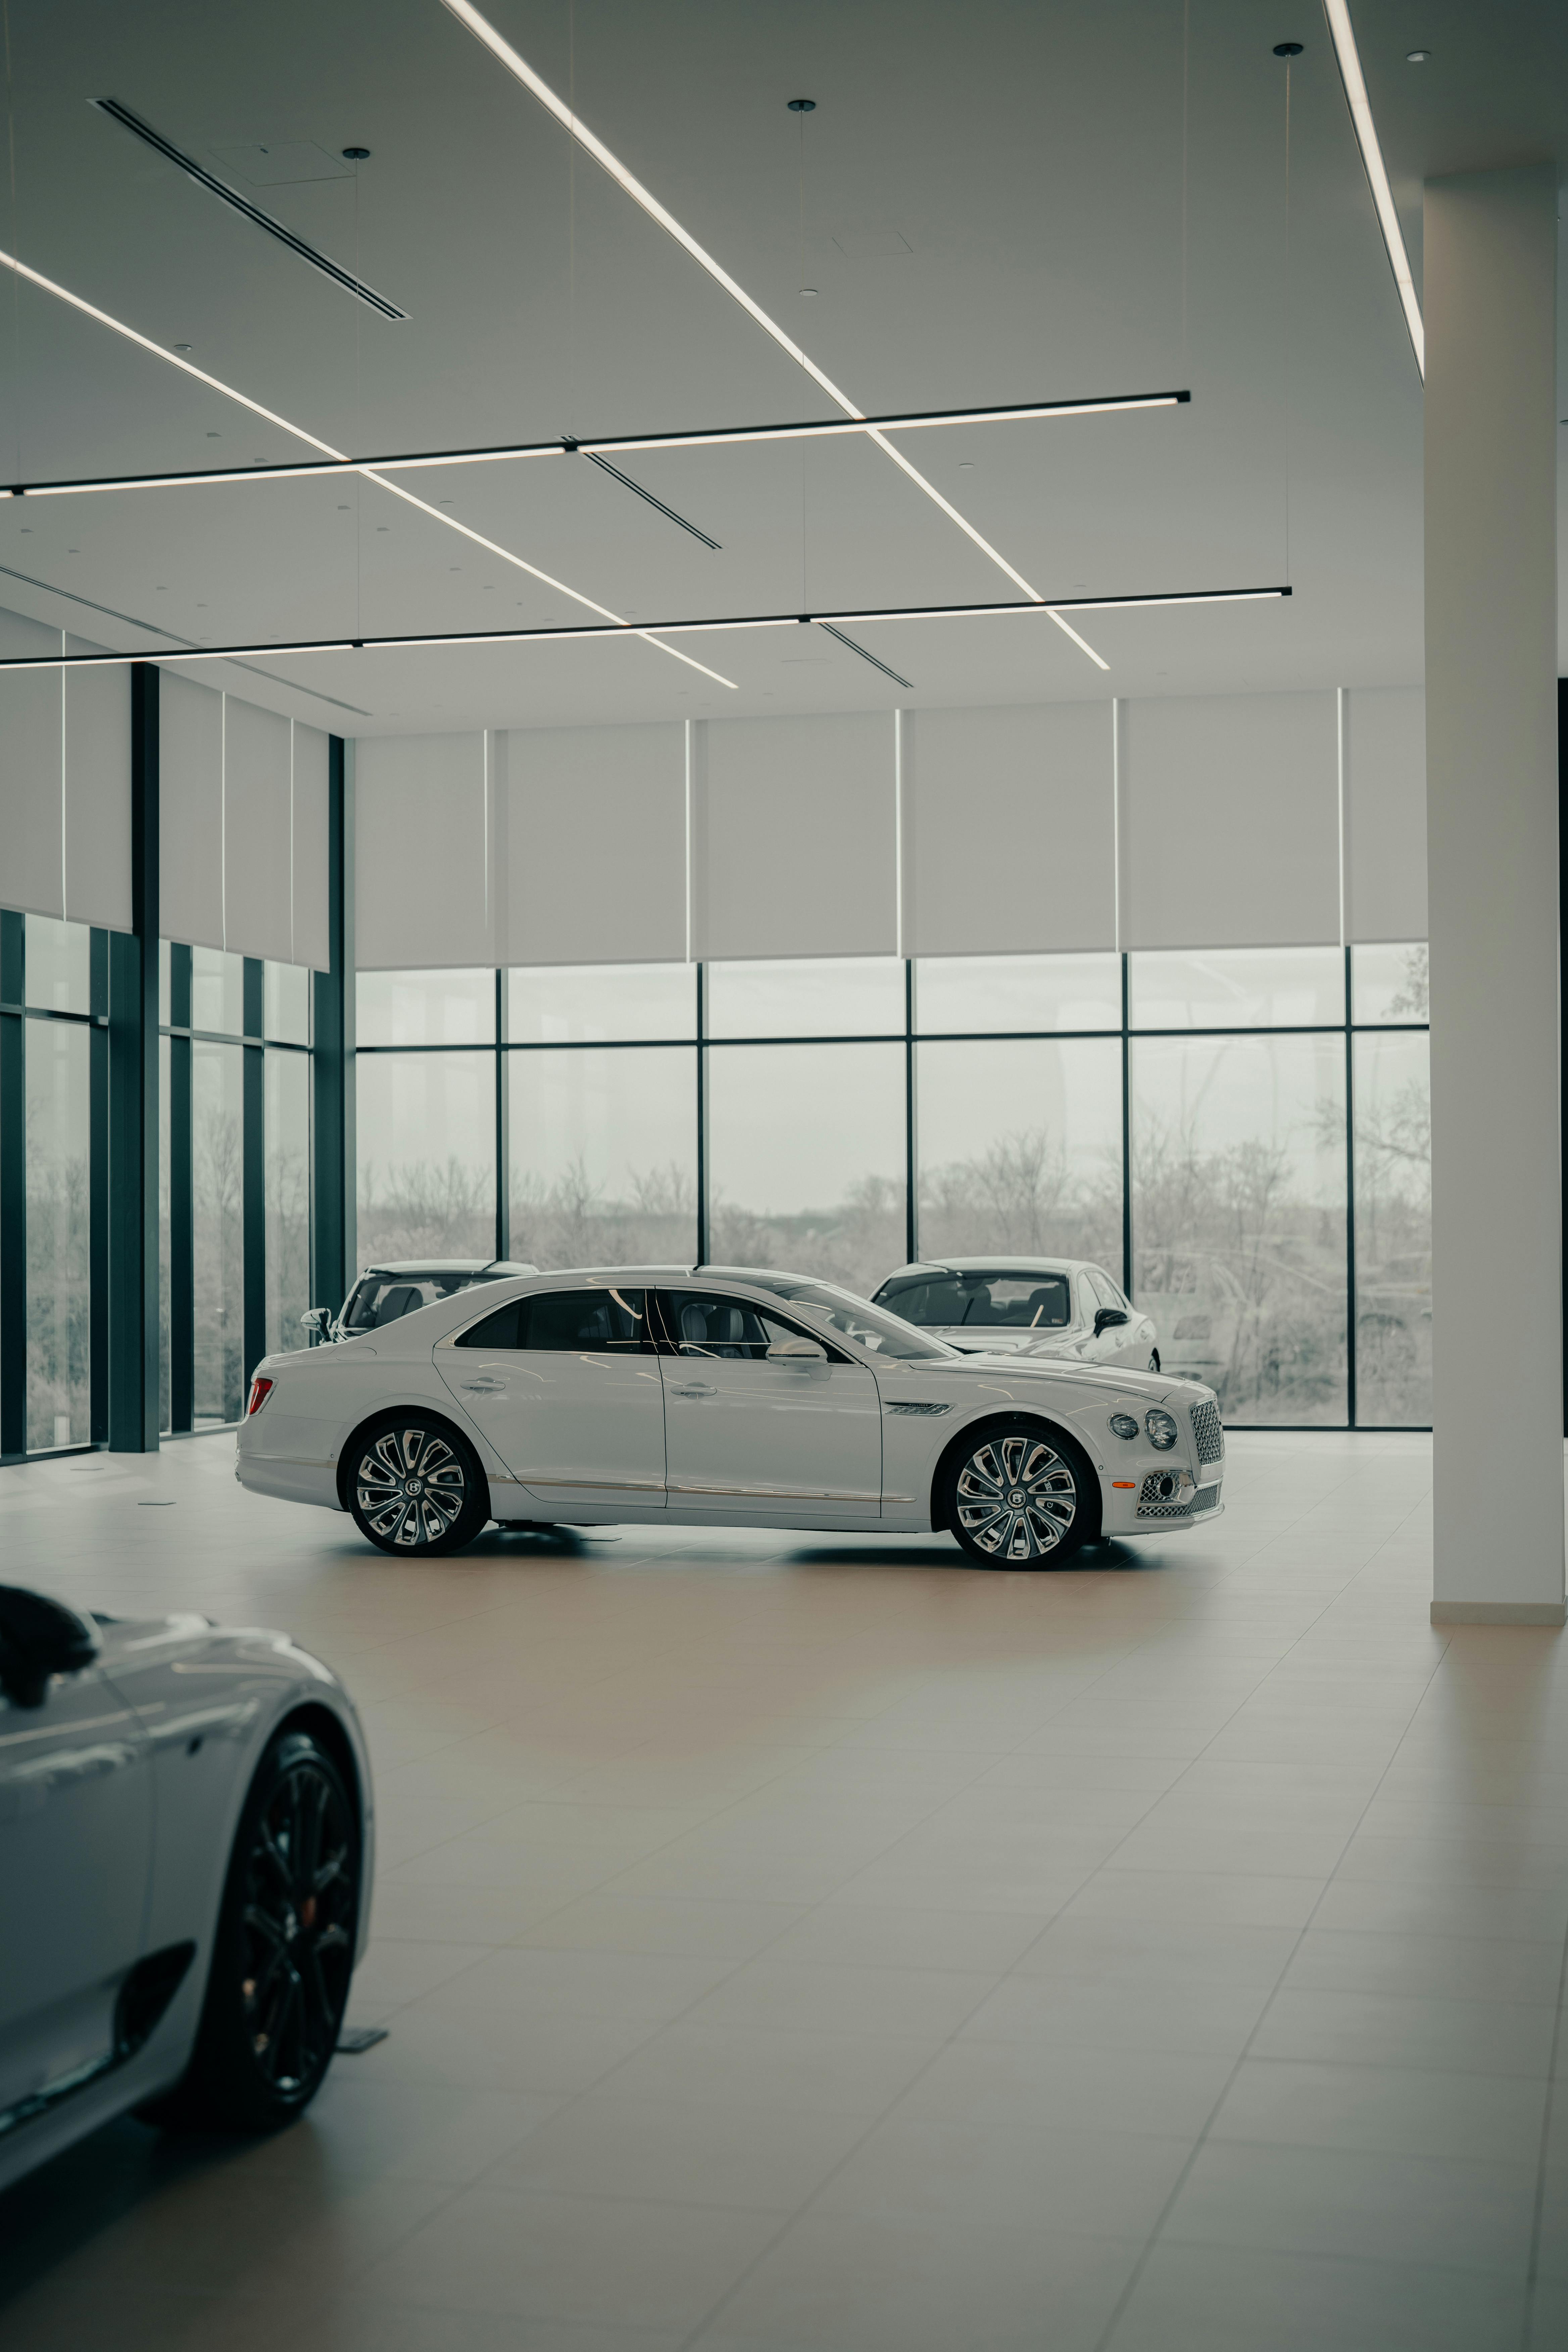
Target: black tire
284, 1952
414, 1486
1059, 1509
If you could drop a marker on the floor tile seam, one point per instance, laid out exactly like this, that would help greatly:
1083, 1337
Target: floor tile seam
1104, 2341
1538, 2217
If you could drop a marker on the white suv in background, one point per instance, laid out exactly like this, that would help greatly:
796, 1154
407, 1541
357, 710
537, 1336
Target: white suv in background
997, 1306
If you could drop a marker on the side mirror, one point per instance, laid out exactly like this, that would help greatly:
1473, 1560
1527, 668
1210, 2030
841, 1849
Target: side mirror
1107, 1317
796, 1352
39, 1637
318, 1321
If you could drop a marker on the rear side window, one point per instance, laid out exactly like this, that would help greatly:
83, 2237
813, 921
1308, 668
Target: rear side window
567, 1322
382, 1298
1012, 1302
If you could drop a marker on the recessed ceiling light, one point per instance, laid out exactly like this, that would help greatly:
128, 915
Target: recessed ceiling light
215, 436
184, 347
809, 289
966, 465
1417, 56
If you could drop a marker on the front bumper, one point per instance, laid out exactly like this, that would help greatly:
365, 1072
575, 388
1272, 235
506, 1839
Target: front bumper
1170, 1497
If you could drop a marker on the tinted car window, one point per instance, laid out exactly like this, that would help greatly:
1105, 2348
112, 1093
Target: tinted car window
567, 1322
702, 1325
1014, 1302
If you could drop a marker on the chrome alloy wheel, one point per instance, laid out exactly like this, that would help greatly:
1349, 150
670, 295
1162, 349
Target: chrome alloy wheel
1016, 1497
411, 1487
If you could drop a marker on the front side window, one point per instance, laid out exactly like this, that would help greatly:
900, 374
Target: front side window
567, 1322
1015, 1302
730, 1329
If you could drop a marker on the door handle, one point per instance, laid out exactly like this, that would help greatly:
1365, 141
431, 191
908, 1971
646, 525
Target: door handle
695, 1389
484, 1388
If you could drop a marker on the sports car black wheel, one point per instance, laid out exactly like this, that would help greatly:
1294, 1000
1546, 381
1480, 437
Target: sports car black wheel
284, 1950
1018, 1496
414, 1486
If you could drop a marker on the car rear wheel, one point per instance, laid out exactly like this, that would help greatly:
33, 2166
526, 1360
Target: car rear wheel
414, 1486
1018, 1495
284, 1952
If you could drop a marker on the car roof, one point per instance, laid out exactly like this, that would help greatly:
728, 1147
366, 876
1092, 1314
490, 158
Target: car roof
992, 1261
413, 1266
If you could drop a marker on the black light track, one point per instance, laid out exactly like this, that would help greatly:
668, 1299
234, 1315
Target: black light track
1163, 600
221, 189
626, 482
832, 632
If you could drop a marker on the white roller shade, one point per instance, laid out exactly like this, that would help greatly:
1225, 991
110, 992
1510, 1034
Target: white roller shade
97, 770
1009, 830
1230, 828
190, 819
794, 832
32, 865
1385, 813
422, 852
595, 833
258, 864
311, 933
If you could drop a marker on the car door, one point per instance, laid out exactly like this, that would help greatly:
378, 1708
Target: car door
76, 1827
745, 1434
565, 1385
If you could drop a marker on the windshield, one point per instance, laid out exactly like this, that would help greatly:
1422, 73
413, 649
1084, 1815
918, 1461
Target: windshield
870, 1327
1013, 1302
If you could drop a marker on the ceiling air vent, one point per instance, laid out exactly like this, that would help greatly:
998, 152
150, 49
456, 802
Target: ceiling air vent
232, 197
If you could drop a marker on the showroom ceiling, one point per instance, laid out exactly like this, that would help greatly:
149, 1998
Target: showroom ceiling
993, 202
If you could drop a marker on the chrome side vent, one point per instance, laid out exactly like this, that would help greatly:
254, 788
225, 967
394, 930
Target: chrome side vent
231, 196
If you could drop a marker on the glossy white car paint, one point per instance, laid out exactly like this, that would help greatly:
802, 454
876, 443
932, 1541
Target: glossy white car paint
592, 1439
120, 1796
1131, 1343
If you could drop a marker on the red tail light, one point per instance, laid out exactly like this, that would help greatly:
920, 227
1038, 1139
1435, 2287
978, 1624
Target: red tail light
260, 1390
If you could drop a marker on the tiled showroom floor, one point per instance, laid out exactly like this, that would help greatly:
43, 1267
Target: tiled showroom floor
814, 1946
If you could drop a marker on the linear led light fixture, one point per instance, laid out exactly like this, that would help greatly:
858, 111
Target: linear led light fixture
225, 195
337, 458
417, 460
651, 630
1344, 35
522, 71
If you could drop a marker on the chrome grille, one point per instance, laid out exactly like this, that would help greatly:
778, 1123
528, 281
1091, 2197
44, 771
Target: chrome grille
1204, 1499
1161, 1496
1207, 1432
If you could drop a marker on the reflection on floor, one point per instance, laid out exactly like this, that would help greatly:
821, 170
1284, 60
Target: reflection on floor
815, 1946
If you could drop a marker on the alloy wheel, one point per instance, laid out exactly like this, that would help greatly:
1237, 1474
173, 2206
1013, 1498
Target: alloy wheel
411, 1487
298, 1925
1016, 1497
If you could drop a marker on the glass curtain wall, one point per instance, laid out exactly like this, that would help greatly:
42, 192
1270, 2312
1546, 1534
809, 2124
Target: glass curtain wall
233, 1192
1241, 1137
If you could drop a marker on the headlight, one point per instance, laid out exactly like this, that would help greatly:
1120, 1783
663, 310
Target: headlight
1123, 1426
1162, 1430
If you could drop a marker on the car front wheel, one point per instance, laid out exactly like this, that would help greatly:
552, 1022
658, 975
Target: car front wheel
1018, 1496
415, 1487
284, 1950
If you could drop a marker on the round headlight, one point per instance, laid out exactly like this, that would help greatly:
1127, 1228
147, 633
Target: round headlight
1123, 1426
1162, 1430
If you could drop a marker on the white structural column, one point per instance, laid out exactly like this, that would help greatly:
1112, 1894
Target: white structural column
1491, 837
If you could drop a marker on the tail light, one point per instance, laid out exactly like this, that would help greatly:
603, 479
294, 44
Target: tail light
260, 1390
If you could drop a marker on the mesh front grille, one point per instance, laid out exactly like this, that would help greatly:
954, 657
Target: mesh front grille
1207, 1432
1158, 1498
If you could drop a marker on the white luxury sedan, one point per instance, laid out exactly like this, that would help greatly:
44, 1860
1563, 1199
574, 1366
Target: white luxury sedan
185, 1847
1010, 1305
721, 1396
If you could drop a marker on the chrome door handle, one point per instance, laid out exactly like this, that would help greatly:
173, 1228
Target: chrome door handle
484, 1388
695, 1389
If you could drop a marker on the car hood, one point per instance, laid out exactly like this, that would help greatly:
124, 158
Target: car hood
1101, 1379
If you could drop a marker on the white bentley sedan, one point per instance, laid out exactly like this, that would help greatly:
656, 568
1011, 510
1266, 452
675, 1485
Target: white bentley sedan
1012, 1306
186, 1834
721, 1396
